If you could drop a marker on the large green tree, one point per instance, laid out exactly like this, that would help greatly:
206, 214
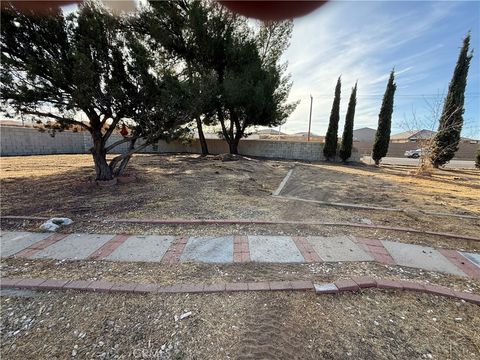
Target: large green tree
55, 67
246, 84
331, 138
382, 136
347, 138
447, 138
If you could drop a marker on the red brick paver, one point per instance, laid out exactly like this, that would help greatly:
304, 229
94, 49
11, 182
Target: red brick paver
109, 247
377, 250
40, 245
236, 287
241, 250
172, 255
307, 250
389, 284
364, 282
346, 285
259, 286
461, 262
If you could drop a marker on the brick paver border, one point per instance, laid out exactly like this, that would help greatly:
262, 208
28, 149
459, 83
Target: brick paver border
354, 285
40, 245
376, 248
307, 250
173, 253
462, 262
241, 249
109, 247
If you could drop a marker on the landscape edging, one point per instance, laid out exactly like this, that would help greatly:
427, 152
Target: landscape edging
355, 284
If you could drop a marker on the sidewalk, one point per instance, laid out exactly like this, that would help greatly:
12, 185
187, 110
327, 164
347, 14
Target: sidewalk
238, 249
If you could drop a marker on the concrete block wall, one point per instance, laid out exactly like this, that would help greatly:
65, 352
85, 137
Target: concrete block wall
466, 151
28, 141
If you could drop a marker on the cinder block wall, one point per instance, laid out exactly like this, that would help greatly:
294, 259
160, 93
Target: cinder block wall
465, 151
28, 141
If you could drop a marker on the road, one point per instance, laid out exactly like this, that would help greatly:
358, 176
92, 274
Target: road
454, 164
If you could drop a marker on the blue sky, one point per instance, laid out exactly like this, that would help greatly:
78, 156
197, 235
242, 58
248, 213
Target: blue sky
365, 40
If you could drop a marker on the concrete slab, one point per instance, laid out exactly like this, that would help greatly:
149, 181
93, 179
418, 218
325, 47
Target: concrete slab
209, 249
338, 248
142, 248
280, 249
75, 246
15, 241
422, 257
473, 257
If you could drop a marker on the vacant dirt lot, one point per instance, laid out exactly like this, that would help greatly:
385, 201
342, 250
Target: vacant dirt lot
191, 187
371, 325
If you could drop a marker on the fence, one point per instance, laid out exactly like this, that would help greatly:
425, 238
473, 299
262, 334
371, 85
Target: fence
28, 141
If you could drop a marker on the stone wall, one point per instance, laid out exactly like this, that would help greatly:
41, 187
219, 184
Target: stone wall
28, 141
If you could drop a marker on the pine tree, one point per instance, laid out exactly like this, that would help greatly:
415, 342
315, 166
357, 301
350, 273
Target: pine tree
382, 137
347, 138
445, 142
331, 139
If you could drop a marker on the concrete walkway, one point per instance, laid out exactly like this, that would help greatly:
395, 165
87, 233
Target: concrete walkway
238, 249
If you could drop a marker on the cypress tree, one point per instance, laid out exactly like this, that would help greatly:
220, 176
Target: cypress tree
382, 137
477, 159
445, 142
347, 138
331, 139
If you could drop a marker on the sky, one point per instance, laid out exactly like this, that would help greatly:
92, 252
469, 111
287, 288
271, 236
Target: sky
364, 40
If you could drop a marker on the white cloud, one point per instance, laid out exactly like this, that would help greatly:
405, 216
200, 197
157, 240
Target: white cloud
357, 41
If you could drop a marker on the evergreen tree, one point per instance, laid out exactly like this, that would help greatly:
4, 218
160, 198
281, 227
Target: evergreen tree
331, 139
447, 138
90, 62
347, 138
477, 159
382, 136
247, 85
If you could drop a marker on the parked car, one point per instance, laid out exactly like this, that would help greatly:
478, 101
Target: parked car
414, 154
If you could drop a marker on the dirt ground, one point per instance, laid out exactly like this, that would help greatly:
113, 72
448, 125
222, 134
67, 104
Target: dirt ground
192, 187
371, 325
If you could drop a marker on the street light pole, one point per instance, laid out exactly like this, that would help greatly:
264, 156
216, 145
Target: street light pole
310, 118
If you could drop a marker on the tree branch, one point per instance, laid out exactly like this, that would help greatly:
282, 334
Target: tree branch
119, 158
56, 117
119, 142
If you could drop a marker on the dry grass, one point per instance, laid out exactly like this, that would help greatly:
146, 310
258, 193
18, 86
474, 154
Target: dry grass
371, 325
188, 186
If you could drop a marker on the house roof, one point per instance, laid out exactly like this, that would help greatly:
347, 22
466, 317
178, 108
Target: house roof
419, 134
423, 134
305, 133
269, 132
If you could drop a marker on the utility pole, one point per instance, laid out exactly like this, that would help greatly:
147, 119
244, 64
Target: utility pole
310, 118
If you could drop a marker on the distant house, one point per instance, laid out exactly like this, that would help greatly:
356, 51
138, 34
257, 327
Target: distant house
305, 134
419, 135
364, 134
10, 123
268, 132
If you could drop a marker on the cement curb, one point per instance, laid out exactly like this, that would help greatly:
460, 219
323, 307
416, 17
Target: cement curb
255, 222
354, 285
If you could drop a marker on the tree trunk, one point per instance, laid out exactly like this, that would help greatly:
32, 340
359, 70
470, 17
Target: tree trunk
201, 136
123, 165
233, 145
102, 170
